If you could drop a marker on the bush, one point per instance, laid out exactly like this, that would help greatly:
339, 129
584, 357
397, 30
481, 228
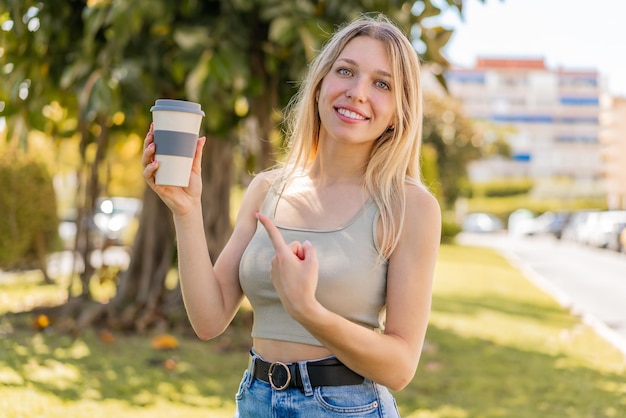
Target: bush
502, 207
502, 188
29, 222
449, 230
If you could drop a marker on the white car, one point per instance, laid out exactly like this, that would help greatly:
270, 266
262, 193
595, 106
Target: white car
481, 222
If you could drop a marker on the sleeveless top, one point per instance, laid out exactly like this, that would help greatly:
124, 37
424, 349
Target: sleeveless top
352, 276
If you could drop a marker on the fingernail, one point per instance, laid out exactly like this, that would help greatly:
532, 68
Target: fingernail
256, 214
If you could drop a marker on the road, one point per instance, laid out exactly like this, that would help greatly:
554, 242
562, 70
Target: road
591, 282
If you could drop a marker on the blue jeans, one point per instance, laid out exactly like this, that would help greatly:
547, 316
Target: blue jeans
257, 399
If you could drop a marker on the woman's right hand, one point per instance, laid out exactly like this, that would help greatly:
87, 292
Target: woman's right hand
180, 200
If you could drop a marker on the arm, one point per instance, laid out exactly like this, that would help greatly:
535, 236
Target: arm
390, 358
211, 294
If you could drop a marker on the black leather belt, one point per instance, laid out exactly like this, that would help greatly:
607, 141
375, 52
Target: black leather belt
328, 372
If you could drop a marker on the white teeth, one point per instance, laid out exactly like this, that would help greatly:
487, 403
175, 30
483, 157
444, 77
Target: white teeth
349, 114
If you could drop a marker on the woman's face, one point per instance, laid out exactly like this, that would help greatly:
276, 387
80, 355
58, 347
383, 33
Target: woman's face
356, 99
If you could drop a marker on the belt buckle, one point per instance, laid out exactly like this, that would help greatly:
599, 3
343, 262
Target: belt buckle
271, 374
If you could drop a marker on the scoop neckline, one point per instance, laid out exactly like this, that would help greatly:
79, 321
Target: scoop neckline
350, 222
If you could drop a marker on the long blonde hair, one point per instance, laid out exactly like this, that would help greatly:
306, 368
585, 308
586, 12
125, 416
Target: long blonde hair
395, 156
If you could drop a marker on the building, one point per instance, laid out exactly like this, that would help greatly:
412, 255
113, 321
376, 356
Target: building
613, 138
549, 117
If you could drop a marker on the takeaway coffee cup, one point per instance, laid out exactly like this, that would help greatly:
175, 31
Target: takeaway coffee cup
176, 129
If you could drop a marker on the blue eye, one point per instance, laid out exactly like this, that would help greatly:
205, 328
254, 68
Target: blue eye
383, 85
344, 71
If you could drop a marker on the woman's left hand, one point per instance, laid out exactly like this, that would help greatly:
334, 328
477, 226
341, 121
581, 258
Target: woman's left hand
294, 271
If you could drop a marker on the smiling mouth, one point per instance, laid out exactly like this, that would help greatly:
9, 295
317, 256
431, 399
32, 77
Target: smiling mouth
350, 114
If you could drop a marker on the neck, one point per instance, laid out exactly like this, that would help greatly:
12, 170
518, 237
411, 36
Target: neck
345, 163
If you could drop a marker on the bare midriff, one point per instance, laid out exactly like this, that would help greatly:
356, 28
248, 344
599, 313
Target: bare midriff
288, 352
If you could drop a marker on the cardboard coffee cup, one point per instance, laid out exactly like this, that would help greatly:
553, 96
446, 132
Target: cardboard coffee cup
176, 128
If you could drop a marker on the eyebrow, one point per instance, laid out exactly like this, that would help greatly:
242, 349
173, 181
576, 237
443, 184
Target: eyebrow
353, 62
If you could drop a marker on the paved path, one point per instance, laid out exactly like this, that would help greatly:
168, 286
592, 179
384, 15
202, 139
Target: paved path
590, 282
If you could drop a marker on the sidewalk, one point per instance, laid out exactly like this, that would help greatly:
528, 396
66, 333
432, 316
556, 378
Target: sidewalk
587, 281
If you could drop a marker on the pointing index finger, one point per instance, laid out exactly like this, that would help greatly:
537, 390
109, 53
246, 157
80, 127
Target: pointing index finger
277, 239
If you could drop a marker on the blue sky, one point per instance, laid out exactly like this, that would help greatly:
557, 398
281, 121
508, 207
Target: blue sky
572, 34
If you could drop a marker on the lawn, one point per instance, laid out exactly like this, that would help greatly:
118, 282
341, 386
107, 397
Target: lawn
496, 347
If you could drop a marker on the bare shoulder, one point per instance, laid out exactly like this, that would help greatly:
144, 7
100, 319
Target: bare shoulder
422, 218
265, 178
257, 190
421, 201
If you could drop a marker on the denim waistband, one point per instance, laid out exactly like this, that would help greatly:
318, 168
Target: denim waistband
301, 365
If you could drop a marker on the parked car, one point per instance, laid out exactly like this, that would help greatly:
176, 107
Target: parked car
481, 222
557, 223
615, 240
523, 222
520, 222
115, 220
578, 226
603, 231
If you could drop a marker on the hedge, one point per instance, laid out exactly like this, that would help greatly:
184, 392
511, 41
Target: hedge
28, 220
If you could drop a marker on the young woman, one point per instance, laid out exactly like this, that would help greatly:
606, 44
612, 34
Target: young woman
335, 249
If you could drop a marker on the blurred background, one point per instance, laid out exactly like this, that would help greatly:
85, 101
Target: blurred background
524, 125
524, 146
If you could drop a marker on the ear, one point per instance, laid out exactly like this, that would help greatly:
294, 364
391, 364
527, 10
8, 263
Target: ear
392, 123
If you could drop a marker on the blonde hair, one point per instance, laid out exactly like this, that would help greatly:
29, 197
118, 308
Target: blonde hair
395, 156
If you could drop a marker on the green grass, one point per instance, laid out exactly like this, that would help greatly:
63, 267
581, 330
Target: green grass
43, 374
496, 347
499, 347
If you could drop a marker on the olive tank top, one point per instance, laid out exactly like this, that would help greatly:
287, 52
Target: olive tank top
352, 278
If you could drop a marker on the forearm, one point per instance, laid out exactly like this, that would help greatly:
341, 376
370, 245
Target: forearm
387, 358
206, 302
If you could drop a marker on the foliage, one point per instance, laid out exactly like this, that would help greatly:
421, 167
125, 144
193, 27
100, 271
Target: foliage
502, 188
430, 170
90, 69
98, 58
496, 347
451, 134
449, 230
29, 223
493, 138
104, 62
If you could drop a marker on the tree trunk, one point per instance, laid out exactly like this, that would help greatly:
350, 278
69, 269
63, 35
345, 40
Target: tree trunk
41, 252
262, 106
141, 286
217, 181
142, 300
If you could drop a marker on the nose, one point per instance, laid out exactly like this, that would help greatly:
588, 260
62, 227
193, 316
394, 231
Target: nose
357, 90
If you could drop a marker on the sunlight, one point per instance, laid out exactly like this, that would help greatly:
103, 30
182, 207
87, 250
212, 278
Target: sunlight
8, 376
77, 351
53, 373
444, 411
